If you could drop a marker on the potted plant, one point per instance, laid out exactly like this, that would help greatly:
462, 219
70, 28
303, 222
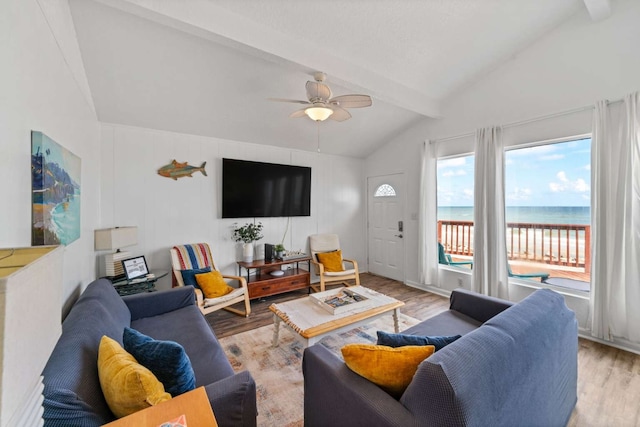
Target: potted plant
279, 250
247, 234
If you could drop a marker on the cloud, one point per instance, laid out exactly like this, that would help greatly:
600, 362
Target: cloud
577, 186
458, 172
452, 163
520, 194
468, 193
587, 167
552, 157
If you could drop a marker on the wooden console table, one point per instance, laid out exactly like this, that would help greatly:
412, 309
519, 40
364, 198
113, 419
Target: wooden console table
263, 284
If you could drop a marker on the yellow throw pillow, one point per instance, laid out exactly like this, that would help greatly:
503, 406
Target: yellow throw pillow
212, 284
332, 261
127, 386
390, 368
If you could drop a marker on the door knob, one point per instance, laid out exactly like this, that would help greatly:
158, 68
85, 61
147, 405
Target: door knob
398, 235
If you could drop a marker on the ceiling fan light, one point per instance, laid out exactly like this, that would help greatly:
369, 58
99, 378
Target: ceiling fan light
318, 114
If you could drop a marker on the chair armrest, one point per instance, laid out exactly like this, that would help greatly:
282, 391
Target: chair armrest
477, 306
336, 396
352, 261
240, 279
233, 400
319, 266
153, 303
199, 296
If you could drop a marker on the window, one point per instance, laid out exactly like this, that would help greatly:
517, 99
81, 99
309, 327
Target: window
385, 190
548, 213
455, 210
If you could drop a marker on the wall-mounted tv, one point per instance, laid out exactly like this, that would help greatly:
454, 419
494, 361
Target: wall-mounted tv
256, 189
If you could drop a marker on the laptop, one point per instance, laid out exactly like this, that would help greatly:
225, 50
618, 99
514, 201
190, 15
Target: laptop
135, 268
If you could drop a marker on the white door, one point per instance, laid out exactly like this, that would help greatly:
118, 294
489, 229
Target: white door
385, 225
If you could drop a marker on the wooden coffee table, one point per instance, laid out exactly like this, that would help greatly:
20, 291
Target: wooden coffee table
310, 323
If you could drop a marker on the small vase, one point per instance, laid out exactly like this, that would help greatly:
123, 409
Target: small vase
247, 252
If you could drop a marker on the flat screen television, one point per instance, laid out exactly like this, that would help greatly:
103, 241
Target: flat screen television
257, 189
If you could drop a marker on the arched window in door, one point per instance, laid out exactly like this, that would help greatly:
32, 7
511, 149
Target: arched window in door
385, 190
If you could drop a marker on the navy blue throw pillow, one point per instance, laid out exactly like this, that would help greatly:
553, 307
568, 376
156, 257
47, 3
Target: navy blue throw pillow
167, 360
189, 276
399, 340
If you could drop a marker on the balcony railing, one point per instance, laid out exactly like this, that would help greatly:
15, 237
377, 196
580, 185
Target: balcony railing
555, 244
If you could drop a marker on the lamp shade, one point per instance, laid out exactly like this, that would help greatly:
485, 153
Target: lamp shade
109, 239
318, 114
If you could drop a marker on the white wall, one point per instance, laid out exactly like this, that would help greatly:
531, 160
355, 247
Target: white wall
575, 65
43, 88
188, 210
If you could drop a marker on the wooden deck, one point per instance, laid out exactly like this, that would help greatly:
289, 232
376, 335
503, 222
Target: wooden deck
521, 267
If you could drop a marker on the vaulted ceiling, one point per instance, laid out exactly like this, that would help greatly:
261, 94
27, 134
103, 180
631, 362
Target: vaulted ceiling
208, 67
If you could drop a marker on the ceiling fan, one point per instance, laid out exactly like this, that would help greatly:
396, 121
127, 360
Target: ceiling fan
322, 106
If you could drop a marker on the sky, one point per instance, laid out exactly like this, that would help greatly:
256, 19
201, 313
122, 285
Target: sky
546, 175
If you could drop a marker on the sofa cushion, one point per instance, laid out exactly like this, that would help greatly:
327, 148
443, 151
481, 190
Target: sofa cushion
400, 340
189, 276
127, 386
390, 368
72, 365
166, 359
212, 284
446, 323
188, 327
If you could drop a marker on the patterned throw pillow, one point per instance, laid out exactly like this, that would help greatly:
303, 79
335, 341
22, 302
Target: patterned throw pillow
127, 386
399, 340
390, 368
166, 359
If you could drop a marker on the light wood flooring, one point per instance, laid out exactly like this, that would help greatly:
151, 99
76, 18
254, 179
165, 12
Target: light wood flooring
608, 378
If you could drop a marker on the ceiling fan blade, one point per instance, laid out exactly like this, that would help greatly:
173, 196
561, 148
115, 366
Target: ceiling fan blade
352, 101
339, 114
318, 91
296, 114
295, 101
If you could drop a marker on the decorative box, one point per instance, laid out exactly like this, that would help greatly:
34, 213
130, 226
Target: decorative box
337, 301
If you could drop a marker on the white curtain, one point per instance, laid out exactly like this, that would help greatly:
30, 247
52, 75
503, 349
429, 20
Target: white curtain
428, 217
489, 243
615, 223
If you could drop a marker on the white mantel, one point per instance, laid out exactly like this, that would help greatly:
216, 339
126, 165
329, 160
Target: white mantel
30, 325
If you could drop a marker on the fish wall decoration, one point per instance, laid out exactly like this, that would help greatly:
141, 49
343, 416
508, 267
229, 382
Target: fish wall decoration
175, 170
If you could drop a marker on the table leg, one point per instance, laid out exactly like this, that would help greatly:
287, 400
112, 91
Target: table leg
276, 330
396, 314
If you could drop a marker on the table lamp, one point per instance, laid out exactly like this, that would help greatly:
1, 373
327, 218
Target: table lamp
109, 239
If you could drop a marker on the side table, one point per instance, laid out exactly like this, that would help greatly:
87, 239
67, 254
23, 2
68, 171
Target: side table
194, 405
136, 286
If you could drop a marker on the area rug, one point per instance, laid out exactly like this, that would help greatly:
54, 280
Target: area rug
278, 371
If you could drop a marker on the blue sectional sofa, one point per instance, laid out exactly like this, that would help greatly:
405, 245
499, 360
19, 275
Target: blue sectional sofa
515, 365
73, 396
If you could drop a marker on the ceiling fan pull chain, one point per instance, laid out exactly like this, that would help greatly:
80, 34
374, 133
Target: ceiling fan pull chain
318, 124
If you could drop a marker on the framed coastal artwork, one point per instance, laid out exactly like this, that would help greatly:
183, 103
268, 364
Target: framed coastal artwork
55, 189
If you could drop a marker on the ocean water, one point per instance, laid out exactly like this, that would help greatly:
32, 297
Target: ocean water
531, 214
66, 220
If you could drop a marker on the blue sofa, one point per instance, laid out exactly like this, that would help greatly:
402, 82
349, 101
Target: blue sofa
72, 392
515, 365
